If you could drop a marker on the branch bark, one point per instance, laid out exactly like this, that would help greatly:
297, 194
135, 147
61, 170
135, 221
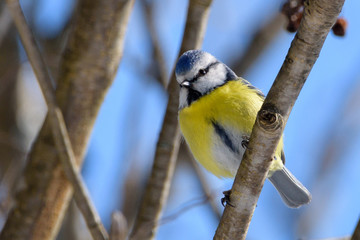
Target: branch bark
159, 65
356, 233
5, 22
119, 226
167, 148
319, 17
57, 124
208, 191
88, 67
12, 147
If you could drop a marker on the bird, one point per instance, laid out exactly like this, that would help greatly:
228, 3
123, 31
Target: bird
217, 111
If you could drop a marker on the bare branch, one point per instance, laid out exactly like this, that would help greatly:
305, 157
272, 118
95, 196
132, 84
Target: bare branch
57, 124
337, 238
161, 71
88, 68
188, 206
356, 233
158, 186
5, 22
119, 226
203, 181
319, 17
260, 41
12, 147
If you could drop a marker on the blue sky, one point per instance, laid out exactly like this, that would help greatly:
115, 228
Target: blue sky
130, 119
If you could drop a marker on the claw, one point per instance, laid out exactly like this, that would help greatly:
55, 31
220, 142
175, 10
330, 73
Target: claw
226, 198
245, 143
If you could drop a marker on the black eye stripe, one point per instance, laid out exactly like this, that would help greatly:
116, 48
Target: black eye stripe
206, 70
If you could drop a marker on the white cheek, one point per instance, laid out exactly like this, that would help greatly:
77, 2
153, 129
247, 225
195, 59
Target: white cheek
219, 76
213, 79
202, 85
183, 98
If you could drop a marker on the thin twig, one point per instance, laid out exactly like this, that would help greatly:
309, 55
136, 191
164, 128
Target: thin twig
119, 228
160, 63
203, 182
337, 238
58, 127
158, 186
356, 233
161, 76
319, 17
259, 42
331, 158
191, 204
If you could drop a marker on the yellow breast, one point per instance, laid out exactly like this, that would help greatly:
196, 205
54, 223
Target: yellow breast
233, 105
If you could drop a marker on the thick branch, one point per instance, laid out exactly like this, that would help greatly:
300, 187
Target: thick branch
57, 124
88, 67
12, 149
319, 17
5, 22
158, 186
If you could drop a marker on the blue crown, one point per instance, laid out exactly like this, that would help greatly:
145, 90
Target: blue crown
187, 61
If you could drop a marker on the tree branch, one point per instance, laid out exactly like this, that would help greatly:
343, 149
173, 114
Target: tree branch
203, 182
88, 68
12, 147
119, 226
159, 64
356, 233
259, 42
57, 124
319, 17
158, 186
5, 22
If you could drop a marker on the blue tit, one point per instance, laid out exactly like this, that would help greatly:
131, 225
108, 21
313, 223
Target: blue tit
217, 111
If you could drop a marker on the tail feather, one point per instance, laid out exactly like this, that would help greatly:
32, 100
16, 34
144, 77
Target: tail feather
292, 192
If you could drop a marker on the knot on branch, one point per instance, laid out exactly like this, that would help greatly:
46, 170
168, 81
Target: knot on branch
269, 120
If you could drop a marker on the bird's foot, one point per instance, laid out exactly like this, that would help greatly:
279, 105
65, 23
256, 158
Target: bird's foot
245, 142
226, 199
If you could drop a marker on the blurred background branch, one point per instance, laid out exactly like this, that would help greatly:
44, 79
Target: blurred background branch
158, 68
119, 228
259, 42
81, 89
12, 144
5, 22
207, 189
57, 124
158, 185
159, 72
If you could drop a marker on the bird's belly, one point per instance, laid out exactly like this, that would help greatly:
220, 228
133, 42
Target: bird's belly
228, 152
214, 146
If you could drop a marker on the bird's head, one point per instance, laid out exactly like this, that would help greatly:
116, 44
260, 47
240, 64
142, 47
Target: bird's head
198, 73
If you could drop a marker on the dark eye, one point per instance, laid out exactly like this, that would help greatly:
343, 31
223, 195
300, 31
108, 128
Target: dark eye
202, 72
